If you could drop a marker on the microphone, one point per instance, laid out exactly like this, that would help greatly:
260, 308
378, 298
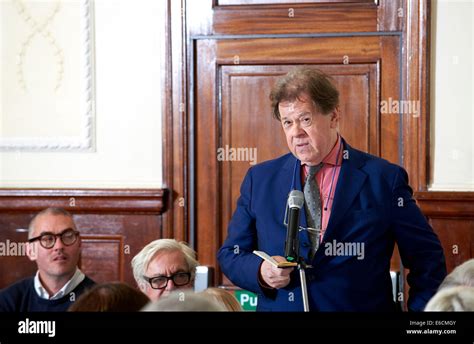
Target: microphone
294, 204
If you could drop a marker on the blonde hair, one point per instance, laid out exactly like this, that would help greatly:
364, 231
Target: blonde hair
184, 301
463, 275
141, 261
224, 298
455, 299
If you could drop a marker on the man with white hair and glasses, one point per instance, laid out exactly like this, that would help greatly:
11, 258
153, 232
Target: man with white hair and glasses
163, 266
54, 243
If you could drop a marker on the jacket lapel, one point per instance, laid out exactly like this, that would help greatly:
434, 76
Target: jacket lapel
350, 182
351, 179
289, 167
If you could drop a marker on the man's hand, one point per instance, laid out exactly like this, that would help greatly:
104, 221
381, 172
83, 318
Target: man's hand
273, 276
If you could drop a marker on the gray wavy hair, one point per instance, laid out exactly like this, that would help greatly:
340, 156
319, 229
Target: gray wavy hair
141, 261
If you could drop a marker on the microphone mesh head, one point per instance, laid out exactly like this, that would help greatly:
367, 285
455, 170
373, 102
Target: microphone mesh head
295, 199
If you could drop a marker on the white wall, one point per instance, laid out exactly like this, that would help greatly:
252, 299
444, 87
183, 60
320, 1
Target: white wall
452, 94
128, 147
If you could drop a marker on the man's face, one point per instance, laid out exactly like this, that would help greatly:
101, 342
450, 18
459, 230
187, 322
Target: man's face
310, 135
165, 263
60, 261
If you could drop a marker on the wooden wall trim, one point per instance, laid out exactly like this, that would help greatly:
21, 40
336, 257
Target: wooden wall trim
438, 204
175, 122
416, 64
258, 19
167, 116
124, 201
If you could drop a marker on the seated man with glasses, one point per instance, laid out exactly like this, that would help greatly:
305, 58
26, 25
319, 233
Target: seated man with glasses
55, 245
163, 266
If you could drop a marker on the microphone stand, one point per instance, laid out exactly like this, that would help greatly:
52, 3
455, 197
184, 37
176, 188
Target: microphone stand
304, 288
301, 268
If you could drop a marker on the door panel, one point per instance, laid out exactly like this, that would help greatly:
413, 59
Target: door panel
233, 79
236, 17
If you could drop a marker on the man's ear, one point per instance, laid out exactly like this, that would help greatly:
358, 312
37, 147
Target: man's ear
335, 116
31, 251
142, 285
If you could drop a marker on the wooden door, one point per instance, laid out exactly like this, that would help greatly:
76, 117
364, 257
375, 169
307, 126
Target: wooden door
224, 56
232, 110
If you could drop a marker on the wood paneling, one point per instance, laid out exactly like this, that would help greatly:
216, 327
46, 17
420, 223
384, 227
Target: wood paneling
176, 163
208, 17
285, 2
416, 66
452, 216
444, 204
102, 257
391, 15
303, 50
457, 236
390, 89
114, 225
83, 200
14, 267
294, 19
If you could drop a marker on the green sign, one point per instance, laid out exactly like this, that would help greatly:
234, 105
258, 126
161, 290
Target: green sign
247, 299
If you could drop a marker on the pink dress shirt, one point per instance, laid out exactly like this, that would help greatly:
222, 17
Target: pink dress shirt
327, 178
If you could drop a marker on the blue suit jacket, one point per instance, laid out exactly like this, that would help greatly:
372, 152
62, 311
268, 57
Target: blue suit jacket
373, 206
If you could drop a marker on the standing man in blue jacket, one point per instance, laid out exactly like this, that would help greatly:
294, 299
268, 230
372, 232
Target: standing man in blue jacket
357, 206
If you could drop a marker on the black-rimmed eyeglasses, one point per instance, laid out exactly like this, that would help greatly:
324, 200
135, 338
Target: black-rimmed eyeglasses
160, 282
48, 240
